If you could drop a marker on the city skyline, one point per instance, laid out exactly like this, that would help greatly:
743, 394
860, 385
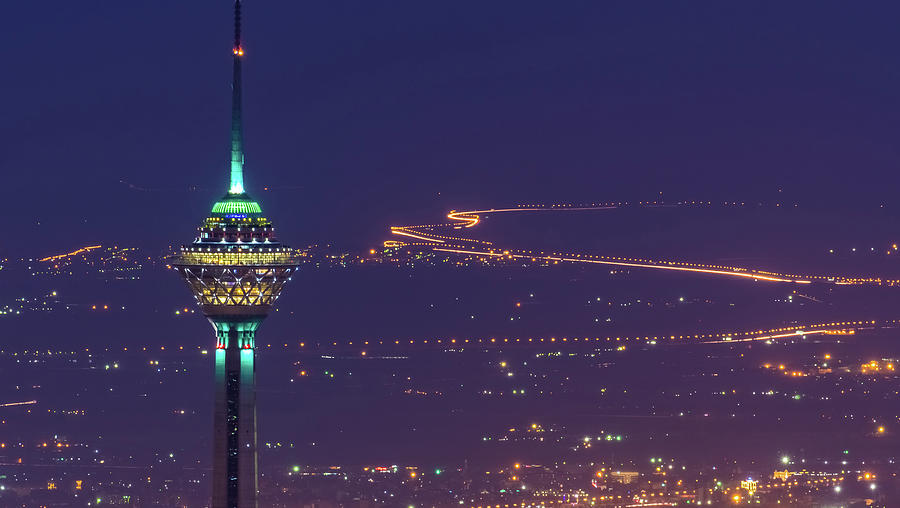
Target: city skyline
594, 255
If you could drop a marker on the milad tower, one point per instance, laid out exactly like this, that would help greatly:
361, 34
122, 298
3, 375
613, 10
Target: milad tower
236, 269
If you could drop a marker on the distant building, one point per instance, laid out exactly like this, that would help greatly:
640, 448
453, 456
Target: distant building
624, 477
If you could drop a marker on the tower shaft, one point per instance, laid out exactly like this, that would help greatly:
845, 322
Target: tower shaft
234, 427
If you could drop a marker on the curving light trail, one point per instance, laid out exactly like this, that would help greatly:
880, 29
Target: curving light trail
749, 275
471, 218
442, 238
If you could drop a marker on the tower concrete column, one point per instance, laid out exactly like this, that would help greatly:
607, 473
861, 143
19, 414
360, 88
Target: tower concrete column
235, 478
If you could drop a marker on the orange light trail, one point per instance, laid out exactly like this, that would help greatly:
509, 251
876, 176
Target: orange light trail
403, 232
74, 253
461, 251
770, 337
454, 243
680, 268
748, 275
26, 403
471, 217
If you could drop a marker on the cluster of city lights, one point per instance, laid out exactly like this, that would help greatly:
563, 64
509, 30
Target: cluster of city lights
737, 494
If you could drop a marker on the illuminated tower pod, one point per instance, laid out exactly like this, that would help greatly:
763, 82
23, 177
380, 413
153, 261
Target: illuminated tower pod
236, 269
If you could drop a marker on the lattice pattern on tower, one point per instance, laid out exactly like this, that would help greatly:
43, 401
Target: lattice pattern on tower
236, 286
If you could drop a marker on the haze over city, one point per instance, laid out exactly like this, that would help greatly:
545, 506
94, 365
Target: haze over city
530, 254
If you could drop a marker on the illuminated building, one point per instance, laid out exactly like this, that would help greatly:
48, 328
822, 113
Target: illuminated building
750, 486
624, 477
783, 475
236, 269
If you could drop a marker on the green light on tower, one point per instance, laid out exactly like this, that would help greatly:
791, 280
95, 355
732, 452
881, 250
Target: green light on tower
231, 206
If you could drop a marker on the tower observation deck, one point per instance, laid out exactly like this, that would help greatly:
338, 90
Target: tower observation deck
236, 269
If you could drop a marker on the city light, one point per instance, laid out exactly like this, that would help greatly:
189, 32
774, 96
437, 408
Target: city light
546, 354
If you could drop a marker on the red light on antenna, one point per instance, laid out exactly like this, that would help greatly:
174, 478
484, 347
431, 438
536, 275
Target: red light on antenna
239, 51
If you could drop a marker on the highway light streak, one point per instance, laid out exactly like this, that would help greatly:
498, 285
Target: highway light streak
73, 253
748, 275
678, 268
798, 333
431, 237
467, 219
403, 232
26, 403
471, 218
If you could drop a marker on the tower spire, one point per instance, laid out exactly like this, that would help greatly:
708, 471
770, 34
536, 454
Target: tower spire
237, 131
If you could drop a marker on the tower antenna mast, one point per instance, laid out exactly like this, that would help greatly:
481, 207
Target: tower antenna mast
237, 128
